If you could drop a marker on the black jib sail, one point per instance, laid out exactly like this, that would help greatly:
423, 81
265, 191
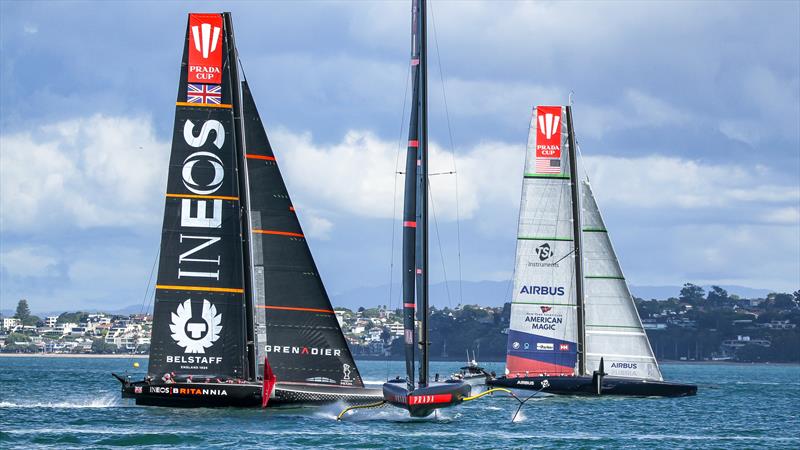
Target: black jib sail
300, 336
199, 314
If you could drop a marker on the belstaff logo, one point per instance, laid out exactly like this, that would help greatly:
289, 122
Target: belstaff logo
548, 124
193, 335
206, 38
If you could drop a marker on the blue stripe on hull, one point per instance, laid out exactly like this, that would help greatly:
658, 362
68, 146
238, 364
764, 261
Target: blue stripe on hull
542, 348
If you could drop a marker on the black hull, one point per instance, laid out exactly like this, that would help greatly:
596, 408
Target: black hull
423, 401
584, 386
245, 395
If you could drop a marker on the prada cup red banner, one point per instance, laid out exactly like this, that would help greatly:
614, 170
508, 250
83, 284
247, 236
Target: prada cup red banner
548, 139
205, 48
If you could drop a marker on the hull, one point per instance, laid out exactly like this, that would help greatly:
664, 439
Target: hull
423, 401
562, 385
244, 395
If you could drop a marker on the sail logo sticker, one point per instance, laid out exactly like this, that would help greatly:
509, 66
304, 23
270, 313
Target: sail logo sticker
208, 159
545, 308
563, 347
205, 48
544, 252
346, 380
548, 124
543, 290
548, 139
193, 335
544, 346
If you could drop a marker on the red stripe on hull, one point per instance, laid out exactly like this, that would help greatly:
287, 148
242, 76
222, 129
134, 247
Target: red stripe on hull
429, 399
520, 367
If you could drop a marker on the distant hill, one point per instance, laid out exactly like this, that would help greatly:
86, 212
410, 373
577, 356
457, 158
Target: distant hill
124, 311
665, 292
486, 293
495, 293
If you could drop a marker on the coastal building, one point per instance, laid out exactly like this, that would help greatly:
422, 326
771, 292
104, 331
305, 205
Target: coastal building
10, 323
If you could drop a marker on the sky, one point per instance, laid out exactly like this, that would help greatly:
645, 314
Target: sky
686, 114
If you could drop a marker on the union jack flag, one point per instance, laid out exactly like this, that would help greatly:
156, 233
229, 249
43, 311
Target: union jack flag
204, 93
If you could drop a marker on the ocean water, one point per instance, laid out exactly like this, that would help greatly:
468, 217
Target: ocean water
75, 403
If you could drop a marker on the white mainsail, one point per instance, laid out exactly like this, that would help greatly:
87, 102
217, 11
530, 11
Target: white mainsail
613, 328
543, 331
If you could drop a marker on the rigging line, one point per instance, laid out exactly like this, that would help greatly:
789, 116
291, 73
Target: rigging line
453, 153
394, 200
439, 240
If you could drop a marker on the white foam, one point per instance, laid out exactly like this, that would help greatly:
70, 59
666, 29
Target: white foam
101, 402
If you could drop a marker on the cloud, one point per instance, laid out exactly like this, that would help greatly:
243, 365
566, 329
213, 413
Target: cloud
29, 261
358, 175
82, 173
660, 182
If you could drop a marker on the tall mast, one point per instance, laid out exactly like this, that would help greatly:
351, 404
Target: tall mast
577, 234
244, 200
423, 194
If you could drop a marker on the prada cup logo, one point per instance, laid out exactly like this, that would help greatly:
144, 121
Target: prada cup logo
548, 123
193, 335
205, 38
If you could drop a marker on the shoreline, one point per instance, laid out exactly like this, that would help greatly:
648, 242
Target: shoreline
71, 355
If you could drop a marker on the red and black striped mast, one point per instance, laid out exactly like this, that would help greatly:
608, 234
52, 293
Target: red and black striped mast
415, 206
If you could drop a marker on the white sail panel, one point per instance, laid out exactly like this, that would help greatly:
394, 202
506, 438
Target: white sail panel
614, 330
543, 330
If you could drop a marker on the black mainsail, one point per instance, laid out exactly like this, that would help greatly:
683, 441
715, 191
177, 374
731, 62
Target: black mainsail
199, 312
238, 293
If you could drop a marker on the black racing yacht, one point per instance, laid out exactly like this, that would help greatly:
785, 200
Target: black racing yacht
241, 315
420, 397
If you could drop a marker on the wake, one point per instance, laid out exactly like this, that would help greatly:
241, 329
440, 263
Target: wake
108, 401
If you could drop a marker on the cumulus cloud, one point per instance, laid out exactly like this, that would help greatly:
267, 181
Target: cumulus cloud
28, 261
658, 182
82, 173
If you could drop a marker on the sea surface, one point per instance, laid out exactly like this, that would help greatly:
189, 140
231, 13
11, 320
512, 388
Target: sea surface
75, 403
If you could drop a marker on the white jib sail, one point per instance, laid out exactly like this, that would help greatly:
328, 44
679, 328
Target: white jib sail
613, 328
